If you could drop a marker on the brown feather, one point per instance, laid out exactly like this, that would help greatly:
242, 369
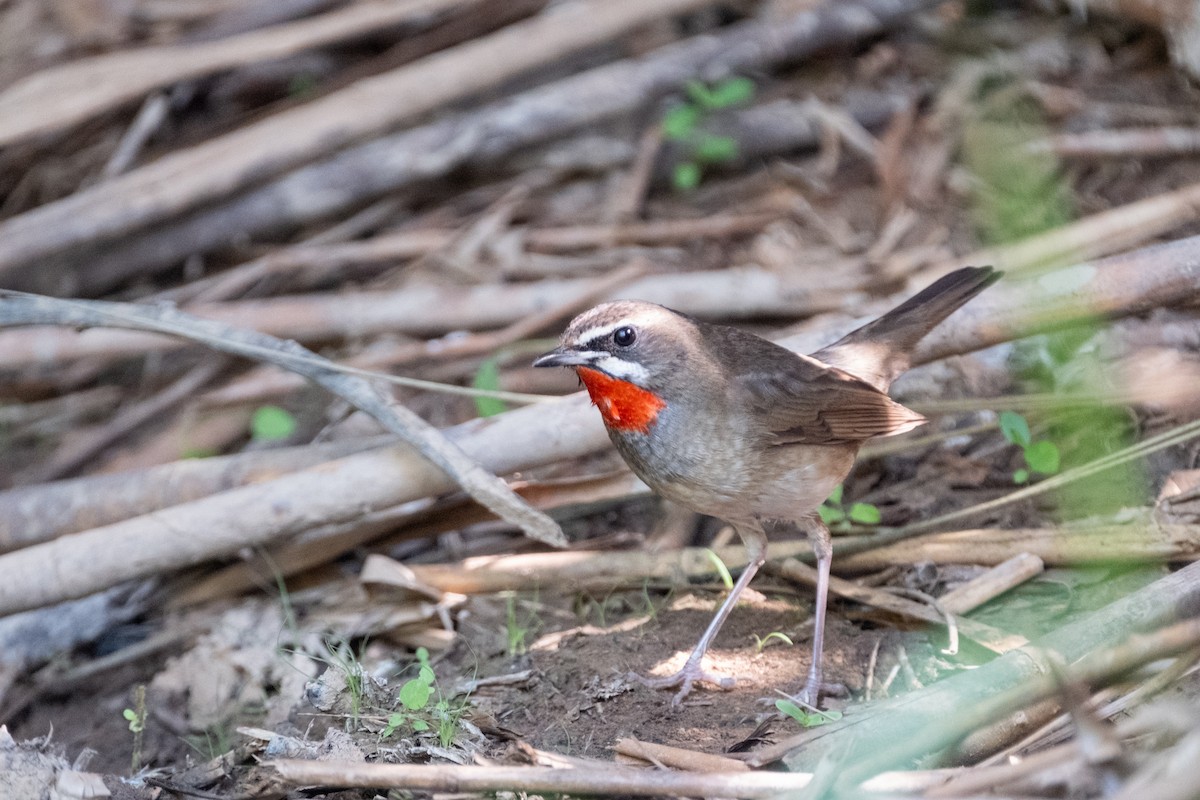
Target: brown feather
800, 400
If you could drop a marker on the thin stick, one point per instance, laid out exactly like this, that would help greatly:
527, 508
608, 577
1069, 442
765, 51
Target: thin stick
991, 584
992, 638
1170, 438
489, 490
578, 780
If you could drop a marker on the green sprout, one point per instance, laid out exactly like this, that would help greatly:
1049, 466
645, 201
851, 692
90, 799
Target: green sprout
722, 570
1041, 456
761, 642
271, 424
836, 515
516, 630
136, 717
420, 710
806, 719
684, 124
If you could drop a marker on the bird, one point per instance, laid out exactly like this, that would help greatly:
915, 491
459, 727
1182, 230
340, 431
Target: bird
734, 426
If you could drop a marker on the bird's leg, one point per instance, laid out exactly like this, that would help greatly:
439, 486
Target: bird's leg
692, 671
818, 536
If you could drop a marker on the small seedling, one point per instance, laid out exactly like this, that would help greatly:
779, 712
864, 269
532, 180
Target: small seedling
342, 656
722, 570
271, 424
684, 123
517, 630
1041, 456
420, 711
835, 515
806, 719
136, 717
761, 642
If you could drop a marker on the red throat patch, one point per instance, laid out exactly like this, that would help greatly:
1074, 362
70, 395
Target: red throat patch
623, 405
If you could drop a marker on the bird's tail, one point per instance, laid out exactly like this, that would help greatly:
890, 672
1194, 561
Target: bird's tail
881, 350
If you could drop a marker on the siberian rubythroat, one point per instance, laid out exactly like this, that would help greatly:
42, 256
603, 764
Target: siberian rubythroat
729, 424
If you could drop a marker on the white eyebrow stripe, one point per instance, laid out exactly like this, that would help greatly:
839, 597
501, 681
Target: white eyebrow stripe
591, 334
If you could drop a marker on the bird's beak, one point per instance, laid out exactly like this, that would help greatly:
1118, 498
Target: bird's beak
564, 357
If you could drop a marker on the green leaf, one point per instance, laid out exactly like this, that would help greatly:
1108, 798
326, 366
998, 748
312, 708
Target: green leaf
761, 643
420, 725
686, 176
426, 675
806, 719
1021, 476
394, 720
271, 423
679, 122
1042, 457
135, 723
423, 656
792, 710
865, 514
699, 94
414, 694
830, 515
1015, 428
488, 377
716, 149
835, 497
731, 92
722, 570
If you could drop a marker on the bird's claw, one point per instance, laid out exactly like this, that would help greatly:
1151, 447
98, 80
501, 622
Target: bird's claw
691, 674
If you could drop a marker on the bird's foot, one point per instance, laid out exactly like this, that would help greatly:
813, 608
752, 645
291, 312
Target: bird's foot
691, 674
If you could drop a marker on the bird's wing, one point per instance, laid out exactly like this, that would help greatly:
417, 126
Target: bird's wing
804, 401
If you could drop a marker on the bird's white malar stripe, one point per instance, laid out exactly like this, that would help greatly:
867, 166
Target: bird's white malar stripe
598, 332
620, 368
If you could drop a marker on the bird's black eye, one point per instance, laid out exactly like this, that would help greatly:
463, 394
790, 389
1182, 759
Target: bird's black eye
624, 336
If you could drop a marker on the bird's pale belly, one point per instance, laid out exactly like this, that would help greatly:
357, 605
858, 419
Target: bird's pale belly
785, 483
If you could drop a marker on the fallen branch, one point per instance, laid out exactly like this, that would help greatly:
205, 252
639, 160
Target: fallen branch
190, 178
54, 98
992, 638
223, 524
1158, 276
1139, 143
37, 513
926, 721
1056, 547
607, 779
485, 487
431, 310
991, 584
1097, 236
486, 135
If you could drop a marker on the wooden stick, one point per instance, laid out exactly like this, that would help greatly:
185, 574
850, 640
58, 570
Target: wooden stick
1054, 546
1158, 142
53, 98
432, 310
677, 757
389, 164
991, 584
926, 721
990, 637
577, 780
207, 172
1099, 235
